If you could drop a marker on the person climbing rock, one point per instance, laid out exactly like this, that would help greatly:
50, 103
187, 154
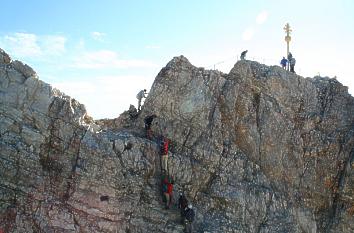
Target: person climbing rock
164, 188
283, 63
292, 64
243, 55
182, 204
167, 188
140, 96
189, 218
170, 192
148, 121
164, 153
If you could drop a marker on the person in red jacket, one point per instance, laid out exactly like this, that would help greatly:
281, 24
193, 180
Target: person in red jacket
164, 153
168, 190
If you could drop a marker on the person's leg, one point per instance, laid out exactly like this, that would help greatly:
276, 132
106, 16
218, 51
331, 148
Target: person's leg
139, 104
182, 216
188, 227
164, 162
185, 223
170, 203
167, 196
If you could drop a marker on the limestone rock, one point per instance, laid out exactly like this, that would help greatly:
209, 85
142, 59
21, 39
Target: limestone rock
24, 69
4, 57
256, 150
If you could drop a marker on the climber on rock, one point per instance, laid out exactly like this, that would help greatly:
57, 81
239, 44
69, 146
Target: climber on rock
140, 96
189, 218
292, 63
283, 63
148, 121
182, 204
164, 153
167, 188
243, 55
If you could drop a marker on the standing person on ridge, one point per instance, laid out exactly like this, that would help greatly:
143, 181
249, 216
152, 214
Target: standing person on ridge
140, 96
290, 56
283, 63
292, 64
243, 55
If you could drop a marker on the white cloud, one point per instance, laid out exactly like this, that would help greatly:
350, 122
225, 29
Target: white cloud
23, 45
75, 88
99, 36
262, 17
105, 96
80, 45
103, 59
248, 34
53, 45
152, 47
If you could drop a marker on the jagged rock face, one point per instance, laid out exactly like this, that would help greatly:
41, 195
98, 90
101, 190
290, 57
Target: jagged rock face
260, 149
256, 150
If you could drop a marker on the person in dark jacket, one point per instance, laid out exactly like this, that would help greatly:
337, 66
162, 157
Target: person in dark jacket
148, 121
289, 58
283, 63
243, 55
189, 218
292, 64
182, 204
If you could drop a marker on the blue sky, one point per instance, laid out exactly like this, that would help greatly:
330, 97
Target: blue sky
103, 52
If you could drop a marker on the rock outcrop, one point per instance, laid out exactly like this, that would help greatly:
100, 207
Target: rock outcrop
256, 150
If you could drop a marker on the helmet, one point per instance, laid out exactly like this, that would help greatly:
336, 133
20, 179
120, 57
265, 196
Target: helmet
190, 206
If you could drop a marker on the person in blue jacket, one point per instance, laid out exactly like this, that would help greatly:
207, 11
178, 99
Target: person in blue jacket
284, 62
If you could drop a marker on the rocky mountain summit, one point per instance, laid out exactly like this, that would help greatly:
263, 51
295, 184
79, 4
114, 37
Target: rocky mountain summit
257, 150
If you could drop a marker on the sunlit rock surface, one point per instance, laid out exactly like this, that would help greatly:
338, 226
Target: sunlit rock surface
257, 150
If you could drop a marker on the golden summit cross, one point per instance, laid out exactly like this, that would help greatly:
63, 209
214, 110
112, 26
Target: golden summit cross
287, 30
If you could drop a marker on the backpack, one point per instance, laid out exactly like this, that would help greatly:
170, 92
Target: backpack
164, 188
140, 95
190, 215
